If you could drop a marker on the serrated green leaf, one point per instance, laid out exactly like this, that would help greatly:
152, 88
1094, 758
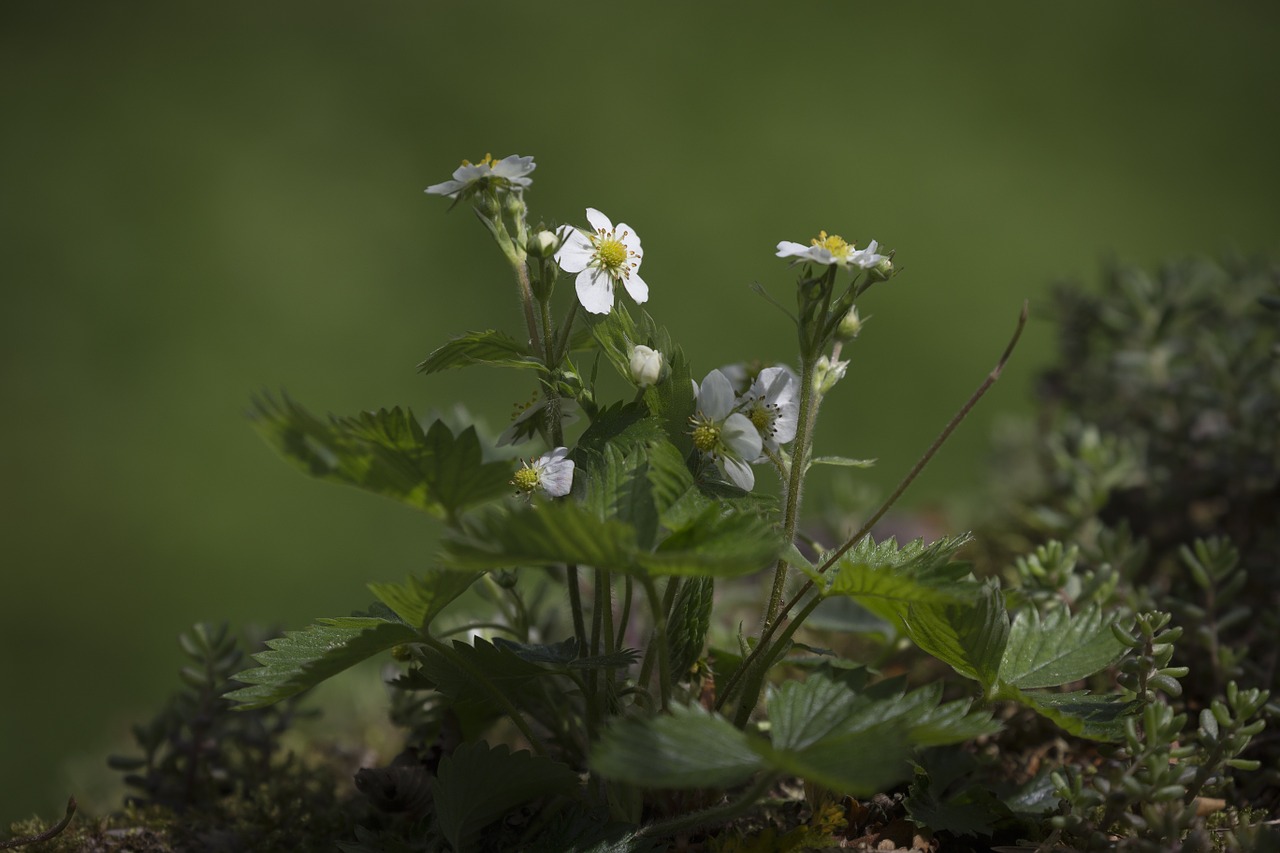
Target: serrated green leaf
1094, 716
688, 624
487, 347
541, 534
1058, 648
419, 600
457, 676
718, 543
970, 638
887, 579
385, 452
478, 784
689, 748
303, 659
943, 798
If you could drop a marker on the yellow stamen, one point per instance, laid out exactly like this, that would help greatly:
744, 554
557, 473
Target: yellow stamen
526, 479
612, 254
706, 436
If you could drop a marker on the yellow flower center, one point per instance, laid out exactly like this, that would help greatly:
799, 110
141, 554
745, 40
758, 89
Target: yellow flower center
833, 243
612, 254
526, 479
760, 417
706, 436
487, 161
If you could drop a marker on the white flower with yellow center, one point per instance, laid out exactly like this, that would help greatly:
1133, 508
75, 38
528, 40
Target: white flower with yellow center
603, 257
512, 172
772, 406
722, 434
830, 250
551, 473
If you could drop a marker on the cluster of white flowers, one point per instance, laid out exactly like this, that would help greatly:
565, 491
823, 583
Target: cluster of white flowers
735, 424
739, 430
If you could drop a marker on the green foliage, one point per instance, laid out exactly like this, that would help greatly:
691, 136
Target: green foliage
478, 784
302, 659
419, 600
1058, 648
487, 347
385, 452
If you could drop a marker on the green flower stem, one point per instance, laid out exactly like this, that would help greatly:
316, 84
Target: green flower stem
791, 512
481, 679
659, 641
628, 587
527, 302
575, 604
831, 559
566, 331
715, 815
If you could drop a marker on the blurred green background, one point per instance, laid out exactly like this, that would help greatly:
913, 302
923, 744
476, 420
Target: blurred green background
201, 201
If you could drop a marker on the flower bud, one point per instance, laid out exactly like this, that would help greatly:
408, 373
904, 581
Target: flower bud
883, 271
513, 204
543, 244
826, 373
646, 365
850, 325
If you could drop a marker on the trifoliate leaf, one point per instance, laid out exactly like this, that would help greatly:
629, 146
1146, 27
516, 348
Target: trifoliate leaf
970, 638
419, 600
303, 659
688, 748
478, 784
385, 452
1094, 716
1058, 648
487, 347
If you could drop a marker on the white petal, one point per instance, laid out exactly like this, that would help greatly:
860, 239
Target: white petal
631, 240
740, 436
576, 253
787, 249
715, 397
636, 287
555, 472
598, 220
595, 290
739, 472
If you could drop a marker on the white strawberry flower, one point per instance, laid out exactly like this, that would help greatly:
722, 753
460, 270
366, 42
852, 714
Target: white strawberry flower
602, 257
551, 473
512, 172
832, 249
772, 405
726, 436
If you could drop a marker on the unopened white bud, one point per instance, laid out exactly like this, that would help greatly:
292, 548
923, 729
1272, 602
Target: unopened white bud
646, 365
850, 325
543, 244
826, 373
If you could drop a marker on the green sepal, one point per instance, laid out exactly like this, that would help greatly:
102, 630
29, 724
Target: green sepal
303, 659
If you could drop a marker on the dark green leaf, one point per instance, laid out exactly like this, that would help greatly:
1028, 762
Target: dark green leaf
1094, 716
420, 599
1058, 649
887, 579
387, 453
718, 543
969, 637
488, 347
689, 748
478, 784
688, 624
544, 533
302, 659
